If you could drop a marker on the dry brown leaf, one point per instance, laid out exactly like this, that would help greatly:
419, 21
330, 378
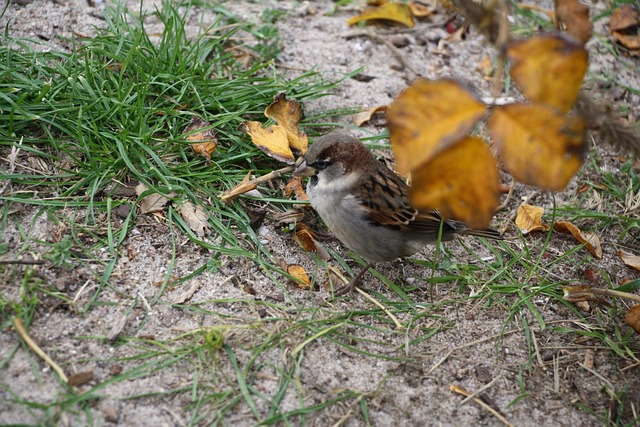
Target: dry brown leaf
203, 142
195, 216
152, 203
537, 146
287, 113
625, 26
395, 12
581, 293
633, 318
590, 240
300, 276
575, 16
629, 259
461, 182
549, 69
365, 116
244, 187
272, 141
294, 186
305, 237
529, 218
427, 118
80, 378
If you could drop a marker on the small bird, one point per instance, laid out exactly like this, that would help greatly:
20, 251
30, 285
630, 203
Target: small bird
366, 205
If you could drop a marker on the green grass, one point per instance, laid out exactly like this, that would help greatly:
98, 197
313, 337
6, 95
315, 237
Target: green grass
113, 110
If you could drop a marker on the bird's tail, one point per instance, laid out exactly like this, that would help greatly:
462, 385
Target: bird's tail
488, 233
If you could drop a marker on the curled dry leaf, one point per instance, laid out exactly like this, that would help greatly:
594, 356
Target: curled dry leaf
366, 115
461, 182
272, 141
589, 240
537, 146
203, 142
195, 216
575, 16
633, 318
421, 9
549, 69
625, 26
287, 113
153, 203
580, 293
294, 186
427, 118
529, 218
395, 12
300, 276
629, 259
306, 238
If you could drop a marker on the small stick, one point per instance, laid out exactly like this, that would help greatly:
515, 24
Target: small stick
17, 323
460, 390
23, 261
251, 184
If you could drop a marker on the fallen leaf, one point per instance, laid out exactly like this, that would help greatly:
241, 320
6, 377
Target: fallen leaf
244, 187
305, 237
427, 118
581, 293
195, 216
204, 142
633, 318
461, 182
366, 115
529, 218
395, 12
419, 9
152, 203
629, 259
575, 16
300, 276
272, 141
294, 186
537, 146
589, 240
549, 69
625, 26
80, 378
288, 217
287, 113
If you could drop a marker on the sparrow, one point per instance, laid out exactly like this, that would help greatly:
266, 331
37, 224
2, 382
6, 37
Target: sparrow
366, 205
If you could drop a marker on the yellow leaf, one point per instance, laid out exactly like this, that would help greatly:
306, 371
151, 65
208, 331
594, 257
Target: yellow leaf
537, 146
301, 278
419, 9
549, 69
630, 259
272, 141
366, 115
396, 12
589, 240
529, 218
287, 113
427, 118
461, 182
575, 16
204, 142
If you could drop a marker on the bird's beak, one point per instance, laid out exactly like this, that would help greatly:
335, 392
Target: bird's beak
302, 169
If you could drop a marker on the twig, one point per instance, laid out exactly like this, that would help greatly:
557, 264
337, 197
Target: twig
23, 261
17, 323
251, 184
498, 415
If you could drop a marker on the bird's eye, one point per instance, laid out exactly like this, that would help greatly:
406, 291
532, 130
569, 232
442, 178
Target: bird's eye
321, 164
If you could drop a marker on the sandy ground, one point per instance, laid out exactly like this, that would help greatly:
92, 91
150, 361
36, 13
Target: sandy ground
413, 386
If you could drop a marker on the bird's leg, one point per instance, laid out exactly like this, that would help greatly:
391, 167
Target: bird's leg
354, 282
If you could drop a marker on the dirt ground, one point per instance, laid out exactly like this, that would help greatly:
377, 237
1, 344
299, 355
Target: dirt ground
410, 388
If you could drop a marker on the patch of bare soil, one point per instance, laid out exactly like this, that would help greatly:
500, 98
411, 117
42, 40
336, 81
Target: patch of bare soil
411, 386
